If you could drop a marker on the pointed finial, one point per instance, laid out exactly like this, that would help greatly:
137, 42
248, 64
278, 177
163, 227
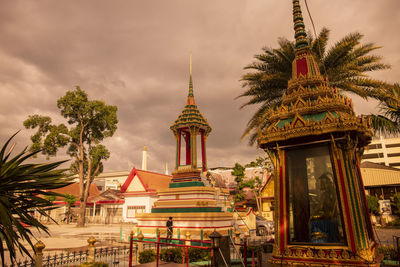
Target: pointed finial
300, 34
190, 63
191, 81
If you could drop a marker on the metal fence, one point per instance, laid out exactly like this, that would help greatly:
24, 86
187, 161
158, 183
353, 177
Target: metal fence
113, 256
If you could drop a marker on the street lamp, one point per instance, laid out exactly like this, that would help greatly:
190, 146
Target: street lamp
215, 239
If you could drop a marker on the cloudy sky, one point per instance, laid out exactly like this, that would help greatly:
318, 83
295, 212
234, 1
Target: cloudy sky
135, 55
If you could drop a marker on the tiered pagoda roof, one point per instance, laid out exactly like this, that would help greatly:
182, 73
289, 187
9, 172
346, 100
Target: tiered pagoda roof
191, 116
310, 107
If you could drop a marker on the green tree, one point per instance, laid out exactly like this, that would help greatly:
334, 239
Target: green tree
238, 172
266, 168
346, 64
396, 204
90, 122
70, 199
389, 98
22, 186
373, 204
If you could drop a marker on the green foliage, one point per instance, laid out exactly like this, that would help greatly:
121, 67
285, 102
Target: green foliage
238, 172
89, 122
24, 188
395, 222
346, 63
50, 198
148, 255
94, 264
172, 255
389, 252
389, 98
373, 204
396, 204
198, 254
70, 199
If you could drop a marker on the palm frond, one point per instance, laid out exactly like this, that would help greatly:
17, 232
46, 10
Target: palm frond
22, 187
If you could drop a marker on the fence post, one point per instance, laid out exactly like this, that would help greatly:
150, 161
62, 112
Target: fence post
130, 248
39, 246
91, 249
140, 238
245, 250
187, 242
158, 249
237, 237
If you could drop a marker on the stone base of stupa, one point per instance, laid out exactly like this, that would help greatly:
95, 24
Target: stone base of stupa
196, 209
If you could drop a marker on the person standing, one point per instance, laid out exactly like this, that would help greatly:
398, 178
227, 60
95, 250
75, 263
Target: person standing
169, 229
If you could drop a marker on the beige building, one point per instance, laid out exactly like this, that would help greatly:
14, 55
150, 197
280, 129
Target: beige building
384, 151
380, 180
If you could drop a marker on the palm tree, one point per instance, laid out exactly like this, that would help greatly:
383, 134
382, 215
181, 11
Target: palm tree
389, 98
23, 191
346, 64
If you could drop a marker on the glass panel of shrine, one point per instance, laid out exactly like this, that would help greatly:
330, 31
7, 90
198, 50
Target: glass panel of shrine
313, 204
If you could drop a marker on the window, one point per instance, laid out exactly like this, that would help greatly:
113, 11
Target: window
392, 145
374, 146
314, 215
372, 156
133, 210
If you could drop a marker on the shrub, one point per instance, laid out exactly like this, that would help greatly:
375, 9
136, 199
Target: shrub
389, 252
396, 204
146, 256
396, 222
373, 206
198, 254
171, 255
94, 264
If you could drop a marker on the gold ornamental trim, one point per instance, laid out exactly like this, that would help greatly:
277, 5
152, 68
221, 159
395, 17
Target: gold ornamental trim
308, 79
300, 127
303, 107
307, 92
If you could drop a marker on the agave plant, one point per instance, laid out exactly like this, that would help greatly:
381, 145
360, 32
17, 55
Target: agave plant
23, 190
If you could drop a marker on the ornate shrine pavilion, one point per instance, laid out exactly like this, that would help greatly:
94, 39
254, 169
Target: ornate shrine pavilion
315, 141
196, 207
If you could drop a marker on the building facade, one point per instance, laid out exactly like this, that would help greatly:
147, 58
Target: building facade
384, 151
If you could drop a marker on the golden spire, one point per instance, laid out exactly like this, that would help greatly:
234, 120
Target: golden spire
191, 81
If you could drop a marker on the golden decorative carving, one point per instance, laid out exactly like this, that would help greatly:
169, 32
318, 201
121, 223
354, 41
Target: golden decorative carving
288, 252
345, 255
321, 253
309, 253
333, 254
299, 252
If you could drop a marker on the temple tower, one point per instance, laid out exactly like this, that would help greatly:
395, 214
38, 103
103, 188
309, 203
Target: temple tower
196, 207
186, 128
315, 140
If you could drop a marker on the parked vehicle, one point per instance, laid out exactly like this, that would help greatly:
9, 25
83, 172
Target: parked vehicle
264, 227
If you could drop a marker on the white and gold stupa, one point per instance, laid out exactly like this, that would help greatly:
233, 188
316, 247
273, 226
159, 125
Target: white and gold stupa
197, 208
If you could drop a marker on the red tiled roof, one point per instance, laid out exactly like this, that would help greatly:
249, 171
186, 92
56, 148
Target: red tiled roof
73, 189
151, 181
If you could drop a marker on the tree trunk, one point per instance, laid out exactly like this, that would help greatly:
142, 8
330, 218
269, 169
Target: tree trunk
81, 214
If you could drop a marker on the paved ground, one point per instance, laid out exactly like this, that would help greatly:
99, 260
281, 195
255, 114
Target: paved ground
70, 238
385, 236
